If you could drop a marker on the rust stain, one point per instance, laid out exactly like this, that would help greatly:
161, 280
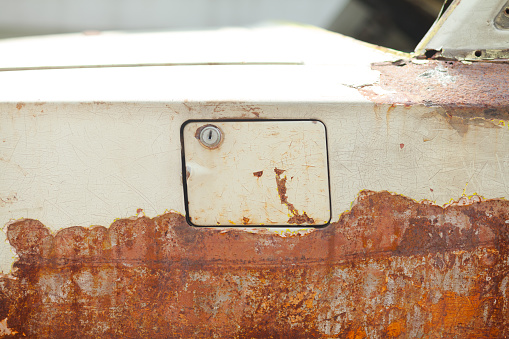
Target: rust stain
296, 217
254, 110
20, 105
10, 199
232, 108
258, 174
245, 221
390, 267
278, 173
477, 90
198, 131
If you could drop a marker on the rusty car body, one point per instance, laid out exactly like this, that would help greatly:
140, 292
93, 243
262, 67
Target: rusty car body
413, 236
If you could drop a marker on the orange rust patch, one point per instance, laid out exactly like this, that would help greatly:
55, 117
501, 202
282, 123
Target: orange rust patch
20, 105
396, 328
445, 312
429, 271
357, 333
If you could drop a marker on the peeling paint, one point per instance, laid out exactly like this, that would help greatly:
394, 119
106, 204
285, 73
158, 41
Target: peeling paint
258, 174
466, 91
390, 267
295, 218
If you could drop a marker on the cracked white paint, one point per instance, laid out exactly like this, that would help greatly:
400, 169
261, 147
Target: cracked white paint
236, 182
87, 146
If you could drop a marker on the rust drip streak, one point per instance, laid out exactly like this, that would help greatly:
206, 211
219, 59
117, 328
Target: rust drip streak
393, 268
281, 189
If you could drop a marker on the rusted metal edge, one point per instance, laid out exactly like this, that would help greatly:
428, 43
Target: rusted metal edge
472, 55
467, 91
390, 267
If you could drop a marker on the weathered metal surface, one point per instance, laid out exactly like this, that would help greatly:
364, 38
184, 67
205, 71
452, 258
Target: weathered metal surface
477, 90
470, 30
225, 183
390, 267
90, 163
502, 18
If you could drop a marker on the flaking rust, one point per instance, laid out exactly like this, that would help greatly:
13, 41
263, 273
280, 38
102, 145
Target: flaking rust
296, 217
477, 90
390, 267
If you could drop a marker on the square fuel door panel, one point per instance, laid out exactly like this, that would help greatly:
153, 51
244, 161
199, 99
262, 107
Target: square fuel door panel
272, 173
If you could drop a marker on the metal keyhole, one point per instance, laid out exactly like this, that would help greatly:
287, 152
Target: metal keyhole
210, 136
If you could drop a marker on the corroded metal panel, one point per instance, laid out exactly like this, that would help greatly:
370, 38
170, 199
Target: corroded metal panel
256, 173
387, 265
390, 267
475, 93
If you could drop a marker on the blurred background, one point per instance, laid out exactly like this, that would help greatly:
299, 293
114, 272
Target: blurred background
398, 24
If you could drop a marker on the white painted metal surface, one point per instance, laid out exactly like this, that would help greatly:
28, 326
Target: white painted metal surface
467, 27
272, 44
88, 146
262, 173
